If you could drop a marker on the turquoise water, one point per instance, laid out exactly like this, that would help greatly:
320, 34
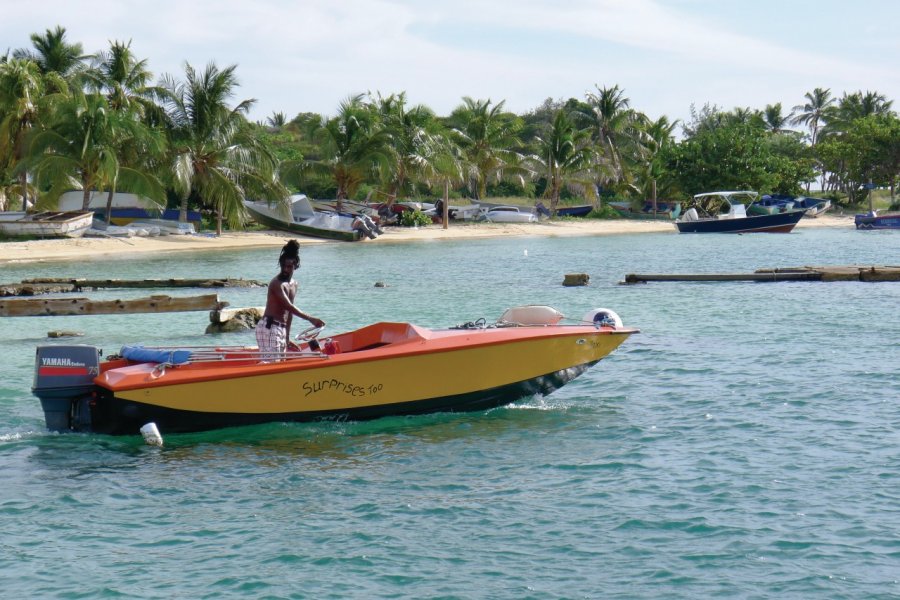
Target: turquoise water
744, 445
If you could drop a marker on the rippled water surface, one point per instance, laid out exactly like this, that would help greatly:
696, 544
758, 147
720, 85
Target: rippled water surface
745, 444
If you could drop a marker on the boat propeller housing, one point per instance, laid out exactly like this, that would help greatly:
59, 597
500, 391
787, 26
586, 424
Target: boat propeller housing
64, 382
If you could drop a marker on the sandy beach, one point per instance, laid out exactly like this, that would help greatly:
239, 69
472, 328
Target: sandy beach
87, 248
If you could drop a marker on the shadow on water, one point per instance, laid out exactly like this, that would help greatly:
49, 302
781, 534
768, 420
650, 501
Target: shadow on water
83, 454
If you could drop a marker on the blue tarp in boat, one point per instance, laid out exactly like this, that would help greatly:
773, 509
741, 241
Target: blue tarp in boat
141, 354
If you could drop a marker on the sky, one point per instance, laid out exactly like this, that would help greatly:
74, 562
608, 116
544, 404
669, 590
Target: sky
667, 55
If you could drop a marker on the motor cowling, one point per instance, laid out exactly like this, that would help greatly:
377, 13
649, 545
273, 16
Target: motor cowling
603, 317
64, 382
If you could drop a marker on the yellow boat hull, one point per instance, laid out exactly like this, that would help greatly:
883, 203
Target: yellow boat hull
415, 371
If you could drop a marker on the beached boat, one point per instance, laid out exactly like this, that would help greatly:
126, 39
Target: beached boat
771, 204
582, 210
379, 370
813, 206
67, 224
726, 212
873, 220
298, 216
507, 214
125, 207
165, 226
665, 211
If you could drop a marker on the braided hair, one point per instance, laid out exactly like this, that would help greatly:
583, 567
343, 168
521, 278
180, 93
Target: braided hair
290, 252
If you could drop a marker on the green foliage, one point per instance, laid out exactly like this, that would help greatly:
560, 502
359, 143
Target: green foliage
414, 218
730, 151
604, 211
868, 150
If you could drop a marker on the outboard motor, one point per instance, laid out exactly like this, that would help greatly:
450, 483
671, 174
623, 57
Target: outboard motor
64, 382
603, 317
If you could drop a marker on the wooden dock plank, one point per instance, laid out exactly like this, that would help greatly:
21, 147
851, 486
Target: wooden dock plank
50, 285
34, 307
641, 278
870, 273
174, 282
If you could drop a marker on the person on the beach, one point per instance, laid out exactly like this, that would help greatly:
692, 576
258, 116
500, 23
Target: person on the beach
273, 332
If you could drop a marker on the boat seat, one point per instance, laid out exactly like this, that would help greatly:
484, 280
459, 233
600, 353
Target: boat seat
381, 334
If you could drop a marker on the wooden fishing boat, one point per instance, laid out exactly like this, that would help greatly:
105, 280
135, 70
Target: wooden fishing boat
665, 211
725, 212
581, 210
379, 370
298, 216
69, 224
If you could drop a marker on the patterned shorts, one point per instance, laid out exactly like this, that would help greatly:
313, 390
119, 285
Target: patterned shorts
272, 340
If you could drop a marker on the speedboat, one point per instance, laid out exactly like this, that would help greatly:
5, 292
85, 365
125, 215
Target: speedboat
508, 214
379, 370
726, 212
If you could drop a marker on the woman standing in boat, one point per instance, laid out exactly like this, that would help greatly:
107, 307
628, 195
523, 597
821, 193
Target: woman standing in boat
273, 332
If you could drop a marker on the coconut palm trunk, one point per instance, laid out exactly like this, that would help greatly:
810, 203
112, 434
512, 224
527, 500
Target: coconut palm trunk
23, 180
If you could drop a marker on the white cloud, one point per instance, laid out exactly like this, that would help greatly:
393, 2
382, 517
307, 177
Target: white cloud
309, 55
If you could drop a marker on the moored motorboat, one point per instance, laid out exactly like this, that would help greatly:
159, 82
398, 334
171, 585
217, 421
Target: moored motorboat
726, 212
54, 224
379, 370
873, 220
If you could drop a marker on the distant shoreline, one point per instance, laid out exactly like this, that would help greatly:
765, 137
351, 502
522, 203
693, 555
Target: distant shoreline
38, 251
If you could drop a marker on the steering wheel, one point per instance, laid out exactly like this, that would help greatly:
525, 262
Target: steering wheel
310, 333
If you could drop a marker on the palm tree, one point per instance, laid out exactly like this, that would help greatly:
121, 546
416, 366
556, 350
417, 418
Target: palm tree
813, 112
416, 138
855, 106
488, 137
616, 129
54, 55
276, 120
125, 81
81, 149
21, 92
354, 147
776, 121
215, 154
565, 158
655, 136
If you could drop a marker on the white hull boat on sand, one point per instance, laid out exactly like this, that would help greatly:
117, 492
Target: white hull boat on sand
508, 214
70, 224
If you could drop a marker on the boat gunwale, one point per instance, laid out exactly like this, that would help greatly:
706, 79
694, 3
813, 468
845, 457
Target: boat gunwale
205, 371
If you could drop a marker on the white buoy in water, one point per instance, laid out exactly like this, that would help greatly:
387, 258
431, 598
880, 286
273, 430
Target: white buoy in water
151, 434
526, 252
